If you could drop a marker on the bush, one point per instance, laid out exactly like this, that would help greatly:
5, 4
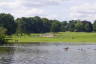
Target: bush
3, 40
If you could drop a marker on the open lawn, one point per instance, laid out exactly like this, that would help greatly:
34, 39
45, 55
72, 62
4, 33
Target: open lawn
56, 37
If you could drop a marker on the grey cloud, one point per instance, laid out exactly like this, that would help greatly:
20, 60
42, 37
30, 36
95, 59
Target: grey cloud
40, 3
87, 12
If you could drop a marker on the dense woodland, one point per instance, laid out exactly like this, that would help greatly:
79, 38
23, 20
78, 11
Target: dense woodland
28, 25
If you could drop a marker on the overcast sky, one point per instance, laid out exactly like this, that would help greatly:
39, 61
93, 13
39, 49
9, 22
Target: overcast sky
52, 9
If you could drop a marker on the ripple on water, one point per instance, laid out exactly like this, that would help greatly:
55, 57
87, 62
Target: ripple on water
50, 54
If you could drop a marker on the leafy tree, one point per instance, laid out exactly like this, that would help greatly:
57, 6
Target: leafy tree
64, 26
19, 29
71, 25
79, 26
2, 35
46, 25
38, 24
2, 31
41, 25
23, 25
94, 26
87, 26
7, 21
56, 26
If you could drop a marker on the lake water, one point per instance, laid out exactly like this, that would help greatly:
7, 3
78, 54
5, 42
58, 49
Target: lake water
55, 53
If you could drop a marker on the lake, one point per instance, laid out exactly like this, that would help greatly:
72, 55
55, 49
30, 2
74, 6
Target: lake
48, 53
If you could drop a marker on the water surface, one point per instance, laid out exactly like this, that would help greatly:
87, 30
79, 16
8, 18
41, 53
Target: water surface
53, 53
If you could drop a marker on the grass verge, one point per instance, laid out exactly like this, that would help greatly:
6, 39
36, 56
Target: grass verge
58, 37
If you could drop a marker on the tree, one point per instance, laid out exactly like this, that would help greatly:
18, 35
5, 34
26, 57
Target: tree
79, 26
71, 25
87, 26
23, 25
7, 21
94, 26
3, 30
64, 26
46, 25
19, 29
2, 35
56, 26
38, 24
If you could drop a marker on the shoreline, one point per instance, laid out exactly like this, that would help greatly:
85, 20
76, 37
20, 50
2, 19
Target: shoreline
69, 43
71, 37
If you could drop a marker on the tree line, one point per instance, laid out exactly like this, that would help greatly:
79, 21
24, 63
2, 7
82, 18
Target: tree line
28, 25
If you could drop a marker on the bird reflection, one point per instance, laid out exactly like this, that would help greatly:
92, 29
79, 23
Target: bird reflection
66, 49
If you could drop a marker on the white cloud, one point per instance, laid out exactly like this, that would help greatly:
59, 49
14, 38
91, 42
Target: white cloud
18, 10
31, 12
85, 11
10, 4
27, 7
40, 3
56, 9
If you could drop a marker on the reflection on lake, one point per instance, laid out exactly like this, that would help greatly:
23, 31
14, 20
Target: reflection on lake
6, 55
57, 53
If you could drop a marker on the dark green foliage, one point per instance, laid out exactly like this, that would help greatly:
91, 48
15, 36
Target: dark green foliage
7, 21
46, 25
83, 26
71, 25
3, 40
42, 25
28, 25
87, 26
79, 26
2, 35
94, 26
64, 26
56, 26
38, 25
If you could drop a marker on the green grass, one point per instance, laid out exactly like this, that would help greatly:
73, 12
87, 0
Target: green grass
58, 37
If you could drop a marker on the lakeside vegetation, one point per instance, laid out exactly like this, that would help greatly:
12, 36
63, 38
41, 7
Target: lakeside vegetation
76, 37
34, 29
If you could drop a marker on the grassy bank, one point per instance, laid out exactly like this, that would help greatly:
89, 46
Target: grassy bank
57, 37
